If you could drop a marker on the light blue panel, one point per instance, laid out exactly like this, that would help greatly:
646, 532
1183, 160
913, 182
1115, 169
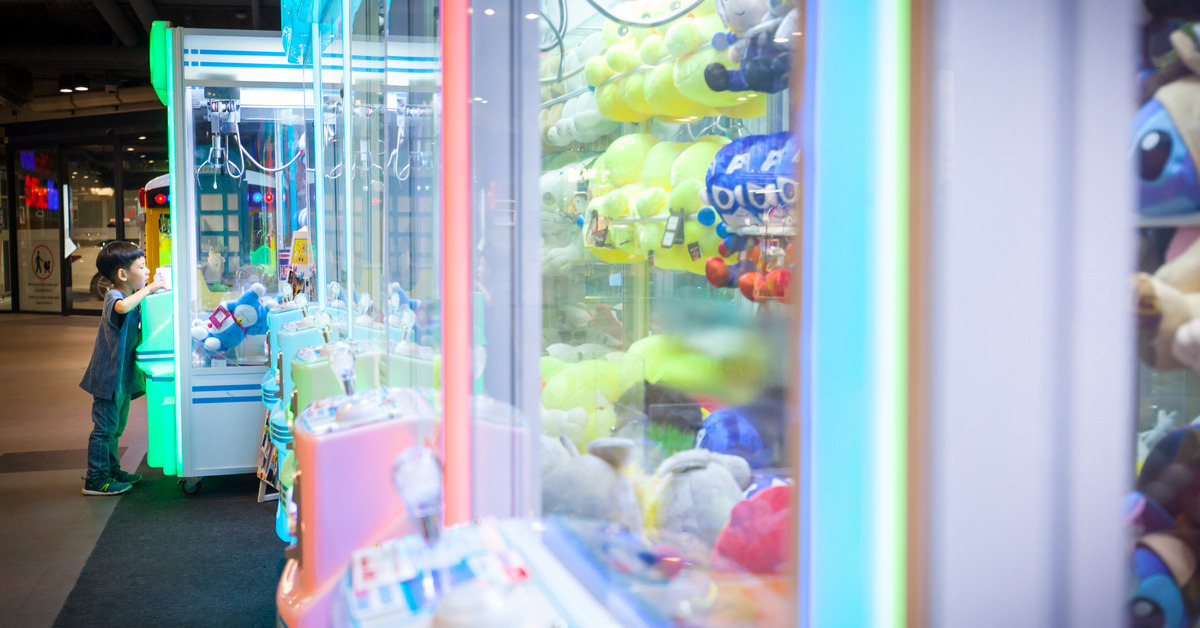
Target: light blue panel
840, 331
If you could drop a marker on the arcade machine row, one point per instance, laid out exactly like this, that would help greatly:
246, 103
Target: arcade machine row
618, 439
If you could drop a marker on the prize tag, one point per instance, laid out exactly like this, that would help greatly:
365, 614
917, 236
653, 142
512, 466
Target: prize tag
597, 234
694, 251
219, 316
674, 230
650, 258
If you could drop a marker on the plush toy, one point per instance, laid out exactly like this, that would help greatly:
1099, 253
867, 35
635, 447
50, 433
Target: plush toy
694, 492
764, 58
590, 385
728, 431
753, 177
591, 486
756, 538
753, 431
571, 423
232, 321
1166, 589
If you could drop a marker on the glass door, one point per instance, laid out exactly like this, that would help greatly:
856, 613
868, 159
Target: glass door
91, 220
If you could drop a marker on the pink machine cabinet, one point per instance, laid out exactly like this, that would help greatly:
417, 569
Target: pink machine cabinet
346, 448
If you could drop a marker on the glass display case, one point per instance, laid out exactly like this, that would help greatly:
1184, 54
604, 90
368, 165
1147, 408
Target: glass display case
635, 209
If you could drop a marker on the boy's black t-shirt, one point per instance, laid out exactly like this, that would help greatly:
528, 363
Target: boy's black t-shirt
111, 374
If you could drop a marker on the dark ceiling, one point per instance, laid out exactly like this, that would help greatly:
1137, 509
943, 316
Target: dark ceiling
105, 42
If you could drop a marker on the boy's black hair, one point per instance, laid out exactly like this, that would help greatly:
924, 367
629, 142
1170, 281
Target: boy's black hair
115, 256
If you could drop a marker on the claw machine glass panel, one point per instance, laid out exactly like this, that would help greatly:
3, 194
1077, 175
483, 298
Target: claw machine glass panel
242, 149
645, 188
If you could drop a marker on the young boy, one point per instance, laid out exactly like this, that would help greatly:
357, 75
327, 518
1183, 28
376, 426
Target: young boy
111, 377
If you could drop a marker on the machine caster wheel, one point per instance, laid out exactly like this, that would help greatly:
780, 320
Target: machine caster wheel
190, 487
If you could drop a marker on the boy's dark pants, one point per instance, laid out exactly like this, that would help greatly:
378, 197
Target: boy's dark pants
109, 418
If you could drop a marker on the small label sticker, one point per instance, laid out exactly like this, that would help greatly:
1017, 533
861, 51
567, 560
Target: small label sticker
694, 251
219, 316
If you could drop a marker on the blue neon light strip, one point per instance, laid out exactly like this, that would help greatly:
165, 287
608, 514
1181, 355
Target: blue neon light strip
287, 66
847, 560
201, 400
331, 55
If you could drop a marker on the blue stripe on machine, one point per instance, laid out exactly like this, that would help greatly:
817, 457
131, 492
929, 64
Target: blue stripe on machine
227, 400
226, 387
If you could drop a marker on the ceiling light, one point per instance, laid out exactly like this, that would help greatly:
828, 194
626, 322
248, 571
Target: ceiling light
531, 16
81, 83
64, 85
141, 137
489, 12
129, 148
141, 156
781, 40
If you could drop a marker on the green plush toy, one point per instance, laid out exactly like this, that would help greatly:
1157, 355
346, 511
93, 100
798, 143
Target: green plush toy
626, 156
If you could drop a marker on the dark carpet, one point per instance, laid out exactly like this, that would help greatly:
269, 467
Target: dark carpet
48, 460
169, 559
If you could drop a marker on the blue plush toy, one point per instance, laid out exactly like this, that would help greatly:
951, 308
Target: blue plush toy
752, 177
232, 321
728, 431
1164, 514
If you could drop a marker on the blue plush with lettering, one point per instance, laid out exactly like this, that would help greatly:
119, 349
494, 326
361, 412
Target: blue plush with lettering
751, 175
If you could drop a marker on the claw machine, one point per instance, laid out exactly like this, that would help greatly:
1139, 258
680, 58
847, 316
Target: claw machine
616, 333
240, 141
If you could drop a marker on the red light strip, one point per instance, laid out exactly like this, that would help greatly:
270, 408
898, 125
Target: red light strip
456, 257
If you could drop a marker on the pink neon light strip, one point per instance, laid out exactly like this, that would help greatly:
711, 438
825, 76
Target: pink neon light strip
456, 257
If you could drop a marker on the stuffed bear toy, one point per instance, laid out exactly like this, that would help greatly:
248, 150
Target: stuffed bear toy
590, 486
693, 493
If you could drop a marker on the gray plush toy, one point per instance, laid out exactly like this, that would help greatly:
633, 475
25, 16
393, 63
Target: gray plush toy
695, 491
589, 486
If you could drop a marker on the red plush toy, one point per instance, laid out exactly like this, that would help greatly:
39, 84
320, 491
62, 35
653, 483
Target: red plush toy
756, 538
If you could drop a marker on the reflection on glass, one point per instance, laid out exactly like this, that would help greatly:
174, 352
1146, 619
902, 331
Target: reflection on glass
92, 220
668, 191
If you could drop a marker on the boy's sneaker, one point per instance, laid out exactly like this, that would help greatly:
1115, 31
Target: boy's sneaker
106, 486
126, 477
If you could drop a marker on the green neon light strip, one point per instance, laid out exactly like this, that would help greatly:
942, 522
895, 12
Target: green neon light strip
903, 72
173, 97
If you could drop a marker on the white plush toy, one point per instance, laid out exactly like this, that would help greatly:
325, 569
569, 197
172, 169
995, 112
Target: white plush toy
570, 423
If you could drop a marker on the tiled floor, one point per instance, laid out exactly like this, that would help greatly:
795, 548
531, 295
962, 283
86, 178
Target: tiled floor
47, 529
